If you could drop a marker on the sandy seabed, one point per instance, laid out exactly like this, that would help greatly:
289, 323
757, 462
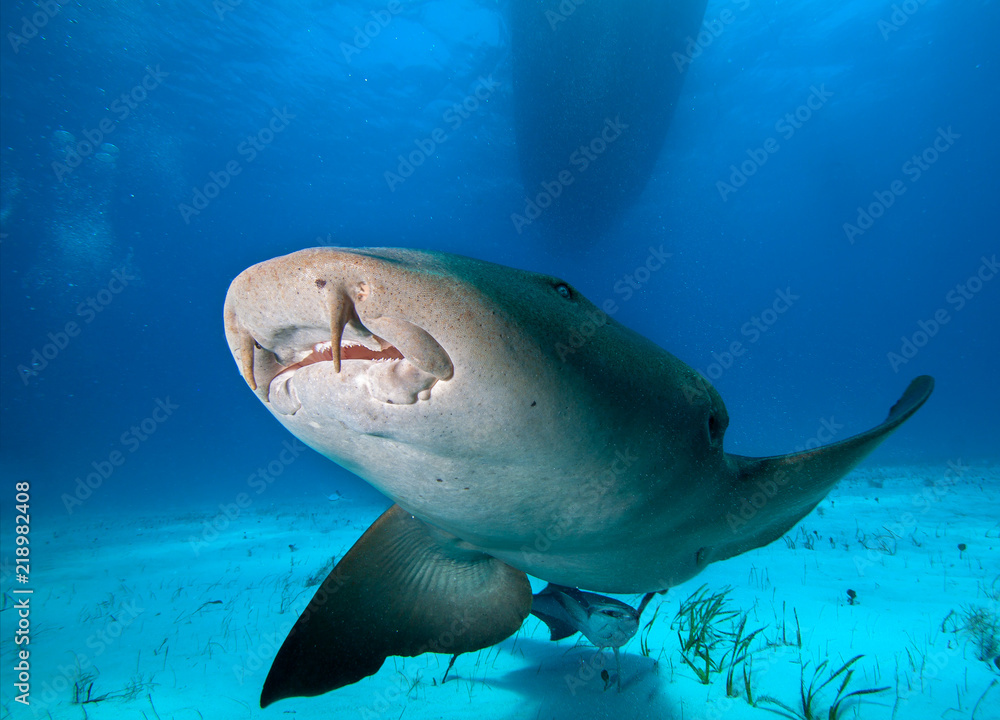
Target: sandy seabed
163, 617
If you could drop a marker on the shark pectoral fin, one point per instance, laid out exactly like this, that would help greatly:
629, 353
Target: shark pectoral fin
792, 485
402, 589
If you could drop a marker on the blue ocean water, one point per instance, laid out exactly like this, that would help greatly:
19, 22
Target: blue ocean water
298, 119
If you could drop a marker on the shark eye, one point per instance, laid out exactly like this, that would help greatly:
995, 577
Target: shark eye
564, 290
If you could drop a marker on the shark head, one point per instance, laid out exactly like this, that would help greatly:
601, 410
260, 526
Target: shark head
424, 372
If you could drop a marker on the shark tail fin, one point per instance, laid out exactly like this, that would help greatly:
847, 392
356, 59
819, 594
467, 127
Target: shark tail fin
558, 629
792, 485
402, 589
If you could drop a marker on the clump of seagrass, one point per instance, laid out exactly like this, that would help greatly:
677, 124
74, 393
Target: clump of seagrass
981, 626
809, 694
707, 645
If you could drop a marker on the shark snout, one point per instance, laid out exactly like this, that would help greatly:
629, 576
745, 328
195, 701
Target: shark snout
320, 310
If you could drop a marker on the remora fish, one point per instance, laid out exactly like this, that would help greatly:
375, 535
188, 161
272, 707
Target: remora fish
604, 621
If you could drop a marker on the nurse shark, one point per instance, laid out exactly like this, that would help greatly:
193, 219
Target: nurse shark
443, 381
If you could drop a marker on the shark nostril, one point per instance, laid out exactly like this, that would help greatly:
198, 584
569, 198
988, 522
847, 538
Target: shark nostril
247, 345
341, 314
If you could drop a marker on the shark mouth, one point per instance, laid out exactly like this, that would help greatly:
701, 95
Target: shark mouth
397, 371
386, 373
323, 352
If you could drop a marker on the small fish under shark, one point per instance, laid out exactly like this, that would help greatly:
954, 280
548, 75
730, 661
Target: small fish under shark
604, 621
